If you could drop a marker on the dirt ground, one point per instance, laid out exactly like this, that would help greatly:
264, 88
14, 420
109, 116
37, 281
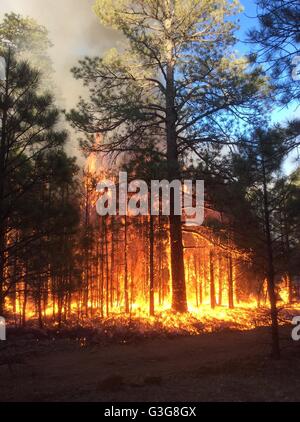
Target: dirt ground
224, 366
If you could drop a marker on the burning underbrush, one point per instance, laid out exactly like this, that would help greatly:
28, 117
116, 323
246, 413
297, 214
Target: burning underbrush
124, 329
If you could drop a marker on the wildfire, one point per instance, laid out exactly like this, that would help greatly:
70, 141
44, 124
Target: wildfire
114, 277
201, 319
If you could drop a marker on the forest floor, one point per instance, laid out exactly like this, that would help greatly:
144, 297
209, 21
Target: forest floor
221, 366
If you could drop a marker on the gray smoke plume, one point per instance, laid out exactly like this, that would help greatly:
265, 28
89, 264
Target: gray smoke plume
74, 31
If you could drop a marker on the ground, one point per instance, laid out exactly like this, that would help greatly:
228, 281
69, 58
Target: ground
222, 366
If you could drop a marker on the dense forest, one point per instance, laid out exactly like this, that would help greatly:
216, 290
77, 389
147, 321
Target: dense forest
176, 101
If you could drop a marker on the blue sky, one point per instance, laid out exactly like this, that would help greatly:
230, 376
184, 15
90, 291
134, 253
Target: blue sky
247, 18
281, 115
247, 21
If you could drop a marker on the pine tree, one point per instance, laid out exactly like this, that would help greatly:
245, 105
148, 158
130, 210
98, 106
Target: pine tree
28, 130
174, 80
276, 42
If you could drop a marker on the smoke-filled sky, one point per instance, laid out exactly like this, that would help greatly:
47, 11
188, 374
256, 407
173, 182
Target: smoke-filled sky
74, 31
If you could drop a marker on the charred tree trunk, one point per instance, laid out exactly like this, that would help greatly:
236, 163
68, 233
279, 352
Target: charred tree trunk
270, 272
212, 281
288, 259
220, 280
2, 272
196, 278
160, 262
230, 283
179, 301
151, 262
290, 287
3, 153
39, 303
106, 266
112, 262
102, 272
201, 275
25, 295
126, 287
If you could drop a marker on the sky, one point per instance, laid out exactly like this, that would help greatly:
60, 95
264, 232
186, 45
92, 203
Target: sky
76, 32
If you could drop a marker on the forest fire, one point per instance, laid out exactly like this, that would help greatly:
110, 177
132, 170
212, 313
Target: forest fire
149, 201
200, 319
117, 254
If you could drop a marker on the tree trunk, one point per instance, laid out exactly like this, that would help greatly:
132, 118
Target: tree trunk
2, 272
271, 272
112, 262
220, 280
102, 272
24, 301
230, 283
179, 301
160, 264
3, 153
212, 281
290, 287
151, 262
106, 266
126, 293
39, 303
196, 278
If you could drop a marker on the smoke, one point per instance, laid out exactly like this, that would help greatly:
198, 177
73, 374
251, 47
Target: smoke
74, 31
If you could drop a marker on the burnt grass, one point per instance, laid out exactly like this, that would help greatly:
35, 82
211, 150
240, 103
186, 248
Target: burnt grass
119, 329
134, 360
